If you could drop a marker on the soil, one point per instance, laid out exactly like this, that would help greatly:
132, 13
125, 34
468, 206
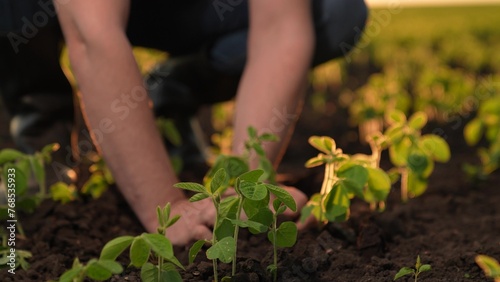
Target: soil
447, 226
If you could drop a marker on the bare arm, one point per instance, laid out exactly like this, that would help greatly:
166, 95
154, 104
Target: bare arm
113, 95
281, 43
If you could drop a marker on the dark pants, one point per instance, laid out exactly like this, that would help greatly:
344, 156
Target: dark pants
38, 97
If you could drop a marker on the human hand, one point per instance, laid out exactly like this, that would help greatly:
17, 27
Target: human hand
194, 223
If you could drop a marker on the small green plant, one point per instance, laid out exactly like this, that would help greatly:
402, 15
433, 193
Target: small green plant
487, 124
95, 269
143, 248
344, 178
252, 196
415, 272
490, 266
412, 153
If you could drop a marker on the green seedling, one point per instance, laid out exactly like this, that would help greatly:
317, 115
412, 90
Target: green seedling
95, 269
413, 154
490, 266
344, 178
16, 169
487, 124
6, 259
143, 249
251, 195
99, 180
379, 184
415, 272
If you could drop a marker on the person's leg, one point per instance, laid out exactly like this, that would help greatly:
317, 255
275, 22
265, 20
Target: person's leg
35, 91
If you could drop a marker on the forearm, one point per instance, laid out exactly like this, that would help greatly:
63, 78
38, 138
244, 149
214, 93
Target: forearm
115, 104
274, 81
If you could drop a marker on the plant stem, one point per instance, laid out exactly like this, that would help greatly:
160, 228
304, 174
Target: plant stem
160, 266
214, 238
404, 184
236, 232
275, 249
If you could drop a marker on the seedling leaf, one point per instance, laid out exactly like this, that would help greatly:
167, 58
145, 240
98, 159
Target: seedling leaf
195, 249
323, 143
379, 184
252, 176
489, 265
253, 191
198, 197
70, 275
436, 147
404, 271
395, 116
139, 252
316, 161
149, 273
115, 247
219, 180
424, 267
191, 186
97, 271
222, 250
9, 155
417, 121
283, 196
161, 246
286, 235
250, 224
264, 216
63, 192
473, 131
20, 178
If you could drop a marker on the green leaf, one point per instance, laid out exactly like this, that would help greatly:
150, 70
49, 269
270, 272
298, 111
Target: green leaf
71, 275
404, 271
395, 134
286, 235
63, 192
416, 185
489, 265
417, 121
191, 186
10, 155
353, 178
198, 197
436, 147
316, 161
253, 191
219, 180
95, 185
195, 249
225, 229
235, 166
228, 207
395, 117
379, 184
252, 176
168, 273
223, 250
337, 204
252, 132
417, 162
424, 268
323, 143
12, 174
264, 216
97, 272
306, 212
115, 247
399, 152
161, 246
473, 131
269, 137
283, 196
249, 224
139, 252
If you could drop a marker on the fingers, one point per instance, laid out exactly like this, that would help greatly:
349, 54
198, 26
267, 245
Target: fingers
201, 232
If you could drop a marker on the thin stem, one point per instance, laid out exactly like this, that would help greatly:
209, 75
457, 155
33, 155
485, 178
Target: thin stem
214, 238
275, 249
404, 184
160, 266
236, 232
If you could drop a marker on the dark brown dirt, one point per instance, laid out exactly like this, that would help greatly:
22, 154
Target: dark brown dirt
447, 226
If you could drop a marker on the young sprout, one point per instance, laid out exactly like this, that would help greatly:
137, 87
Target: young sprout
490, 266
412, 153
415, 272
